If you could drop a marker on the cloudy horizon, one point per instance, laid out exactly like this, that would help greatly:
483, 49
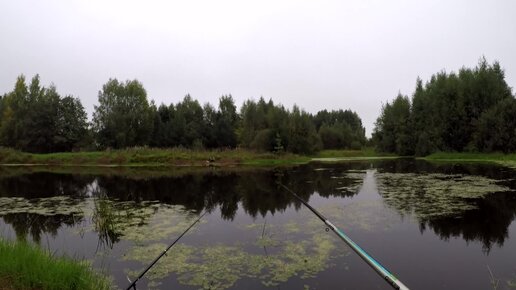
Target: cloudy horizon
319, 55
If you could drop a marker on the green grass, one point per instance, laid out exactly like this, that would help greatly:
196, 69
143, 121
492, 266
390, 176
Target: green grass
26, 266
366, 152
284, 160
146, 157
497, 157
351, 155
133, 172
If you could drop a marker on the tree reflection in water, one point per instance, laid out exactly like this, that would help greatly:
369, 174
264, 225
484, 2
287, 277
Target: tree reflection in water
115, 199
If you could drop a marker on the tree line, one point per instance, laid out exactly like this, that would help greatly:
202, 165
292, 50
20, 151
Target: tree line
37, 119
472, 110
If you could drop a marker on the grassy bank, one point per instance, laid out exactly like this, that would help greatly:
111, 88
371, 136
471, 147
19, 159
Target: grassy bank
151, 157
350, 155
177, 157
366, 152
25, 266
504, 159
132, 172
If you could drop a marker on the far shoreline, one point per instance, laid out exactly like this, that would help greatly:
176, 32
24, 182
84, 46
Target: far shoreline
177, 157
184, 158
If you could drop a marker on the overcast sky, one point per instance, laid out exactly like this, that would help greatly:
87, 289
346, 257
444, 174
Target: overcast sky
317, 54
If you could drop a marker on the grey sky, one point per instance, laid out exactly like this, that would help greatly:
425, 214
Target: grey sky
318, 54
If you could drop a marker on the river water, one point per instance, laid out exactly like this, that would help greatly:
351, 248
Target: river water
435, 226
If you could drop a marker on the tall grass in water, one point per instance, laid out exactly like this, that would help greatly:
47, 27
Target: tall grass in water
26, 266
104, 219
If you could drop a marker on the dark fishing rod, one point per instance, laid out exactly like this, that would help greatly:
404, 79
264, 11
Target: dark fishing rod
133, 284
381, 270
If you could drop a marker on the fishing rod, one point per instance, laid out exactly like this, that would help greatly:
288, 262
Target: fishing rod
388, 276
133, 284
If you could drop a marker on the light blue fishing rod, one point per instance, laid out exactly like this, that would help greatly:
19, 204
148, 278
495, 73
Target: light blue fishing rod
388, 276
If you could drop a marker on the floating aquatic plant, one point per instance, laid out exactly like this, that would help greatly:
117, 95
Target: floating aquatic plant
366, 215
57, 205
350, 182
165, 221
111, 219
221, 266
434, 195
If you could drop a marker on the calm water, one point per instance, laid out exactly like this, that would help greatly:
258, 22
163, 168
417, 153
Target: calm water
434, 226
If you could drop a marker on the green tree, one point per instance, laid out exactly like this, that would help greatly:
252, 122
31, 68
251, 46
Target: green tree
302, 137
332, 137
497, 128
393, 129
340, 129
72, 124
226, 121
42, 120
123, 117
189, 123
247, 126
37, 119
12, 131
264, 126
448, 113
253, 131
425, 136
211, 116
158, 126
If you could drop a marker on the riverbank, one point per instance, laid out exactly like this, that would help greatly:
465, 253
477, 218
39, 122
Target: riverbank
351, 155
26, 266
496, 157
150, 157
181, 157
146, 157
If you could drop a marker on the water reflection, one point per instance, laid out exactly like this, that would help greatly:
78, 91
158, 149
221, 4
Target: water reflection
488, 224
118, 201
487, 198
37, 225
256, 191
44, 184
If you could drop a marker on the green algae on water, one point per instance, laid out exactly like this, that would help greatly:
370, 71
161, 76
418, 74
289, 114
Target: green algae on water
366, 215
351, 182
111, 219
220, 266
57, 205
140, 222
434, 195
